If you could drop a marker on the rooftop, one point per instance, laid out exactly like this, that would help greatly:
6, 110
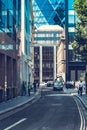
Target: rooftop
50, 28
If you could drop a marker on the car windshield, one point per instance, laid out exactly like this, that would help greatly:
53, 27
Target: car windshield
57, 83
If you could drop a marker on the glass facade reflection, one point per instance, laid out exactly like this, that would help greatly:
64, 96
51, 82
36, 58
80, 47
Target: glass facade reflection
16, 27
71, 28
9, 15
49, 12
9, 47
74, 65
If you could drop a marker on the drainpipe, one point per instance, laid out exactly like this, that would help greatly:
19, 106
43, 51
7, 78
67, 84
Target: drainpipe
66, 36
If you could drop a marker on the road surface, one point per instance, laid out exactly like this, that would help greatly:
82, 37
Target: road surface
53, 111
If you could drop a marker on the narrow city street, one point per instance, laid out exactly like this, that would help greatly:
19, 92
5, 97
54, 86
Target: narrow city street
53, 111
43, 64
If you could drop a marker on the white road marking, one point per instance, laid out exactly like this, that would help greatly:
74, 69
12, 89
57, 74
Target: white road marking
57, 104
82, 125
8, 128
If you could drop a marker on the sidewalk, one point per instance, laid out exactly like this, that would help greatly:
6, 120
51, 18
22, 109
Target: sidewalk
82, 98
15, 103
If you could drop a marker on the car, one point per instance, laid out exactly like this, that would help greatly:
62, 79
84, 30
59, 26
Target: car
58, 86
50, 84
69, 84
43, 84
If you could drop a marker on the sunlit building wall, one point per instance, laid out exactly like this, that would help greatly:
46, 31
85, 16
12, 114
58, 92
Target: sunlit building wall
26, 41
61, 57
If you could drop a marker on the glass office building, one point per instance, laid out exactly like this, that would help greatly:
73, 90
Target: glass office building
74, 64
47, 12
9, 23
9, 15
15, 46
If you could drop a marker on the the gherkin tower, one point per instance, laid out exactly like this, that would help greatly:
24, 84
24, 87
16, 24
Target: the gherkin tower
50, 12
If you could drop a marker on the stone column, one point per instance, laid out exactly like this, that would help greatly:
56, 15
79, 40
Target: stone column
40, 64
54, 62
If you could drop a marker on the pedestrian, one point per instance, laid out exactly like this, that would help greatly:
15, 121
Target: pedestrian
80, 88
38, 84
34, 84
28, 88
23, 89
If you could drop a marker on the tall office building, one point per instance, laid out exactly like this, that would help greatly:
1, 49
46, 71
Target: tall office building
15, 46
9, 22
49, 12
74, 64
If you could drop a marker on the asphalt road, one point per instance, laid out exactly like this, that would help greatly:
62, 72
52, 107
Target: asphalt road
53, 111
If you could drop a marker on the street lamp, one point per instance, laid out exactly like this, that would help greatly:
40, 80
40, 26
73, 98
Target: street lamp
86, 79
27, 74
66, 36
5, 78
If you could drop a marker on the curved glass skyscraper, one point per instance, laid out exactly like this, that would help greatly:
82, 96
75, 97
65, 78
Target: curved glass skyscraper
50, 12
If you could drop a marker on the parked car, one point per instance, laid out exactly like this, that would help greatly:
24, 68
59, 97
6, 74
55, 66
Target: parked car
50, 84
43, 84
69, 84
58, 86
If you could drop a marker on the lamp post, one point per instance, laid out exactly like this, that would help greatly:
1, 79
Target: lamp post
5, 78
66, 36
28, 74
86, 79
29, 71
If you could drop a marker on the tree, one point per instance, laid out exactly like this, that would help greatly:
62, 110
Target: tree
80, 40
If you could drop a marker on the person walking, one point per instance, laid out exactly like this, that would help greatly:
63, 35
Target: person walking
80, 88
34, 84
23, 89
28, 88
